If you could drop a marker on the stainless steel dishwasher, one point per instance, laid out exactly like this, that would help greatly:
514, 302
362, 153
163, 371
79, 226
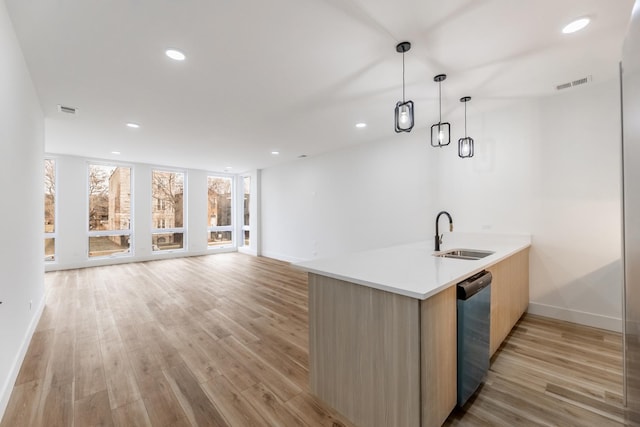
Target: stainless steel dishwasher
474, 310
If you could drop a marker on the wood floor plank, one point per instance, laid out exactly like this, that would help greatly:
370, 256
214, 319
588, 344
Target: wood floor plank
37, 357
107, 328
314, 413
283, 386
236, 410
271, 407
148, 371
119, 376
23, 405
278, 359
93, 410
164, 410
229, 326
229, 364
133, 414
194, 357
198, 408
61, 364
295, 349
89, 369
167, 354
56, 406
223, 340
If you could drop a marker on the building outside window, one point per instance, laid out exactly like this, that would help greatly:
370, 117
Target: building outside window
219, 211
49, 209
109, 210
168, 212
246, 217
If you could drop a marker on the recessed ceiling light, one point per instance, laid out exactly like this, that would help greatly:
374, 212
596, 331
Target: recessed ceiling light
361, 125
117, 153
275, 153
175, 54
576, 25
133, 125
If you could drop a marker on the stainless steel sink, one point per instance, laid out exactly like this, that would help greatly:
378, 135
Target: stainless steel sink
470, 254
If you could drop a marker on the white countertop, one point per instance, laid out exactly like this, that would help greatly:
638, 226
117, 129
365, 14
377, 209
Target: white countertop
411, 269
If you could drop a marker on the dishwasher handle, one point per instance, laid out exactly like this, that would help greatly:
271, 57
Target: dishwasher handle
474, 284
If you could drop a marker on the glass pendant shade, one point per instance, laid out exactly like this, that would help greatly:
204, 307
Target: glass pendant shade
440, 134
404, 109
465, 145
404, 116
441, 131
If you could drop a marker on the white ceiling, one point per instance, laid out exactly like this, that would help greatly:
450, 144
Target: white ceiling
290, 75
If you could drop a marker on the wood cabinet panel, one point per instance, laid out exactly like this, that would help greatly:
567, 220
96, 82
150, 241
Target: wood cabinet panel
364, 352
439, 346
509, 295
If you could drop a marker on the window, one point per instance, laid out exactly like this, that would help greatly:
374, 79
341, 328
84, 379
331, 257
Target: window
219, 211
49, 209
247, 197
109, 210
168, 210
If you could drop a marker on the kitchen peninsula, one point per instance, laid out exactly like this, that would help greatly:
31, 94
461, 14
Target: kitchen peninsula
382, 325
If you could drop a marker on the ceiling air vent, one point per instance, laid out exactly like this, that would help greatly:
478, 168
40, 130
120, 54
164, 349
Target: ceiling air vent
574, 83
67, 110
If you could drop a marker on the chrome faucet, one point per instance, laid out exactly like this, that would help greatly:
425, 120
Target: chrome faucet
438, 235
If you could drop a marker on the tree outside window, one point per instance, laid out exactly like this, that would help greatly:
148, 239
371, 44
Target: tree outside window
49, 209
246, 217
109, 210
219, 211
168, 210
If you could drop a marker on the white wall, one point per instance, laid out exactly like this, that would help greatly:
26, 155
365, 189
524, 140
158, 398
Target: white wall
549, 167
21, 213
72, 220
491, 191
576, 269
369, 195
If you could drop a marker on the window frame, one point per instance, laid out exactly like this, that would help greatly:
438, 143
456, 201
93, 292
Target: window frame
106, 233
222, 228
246, 227
52, 235
173, 230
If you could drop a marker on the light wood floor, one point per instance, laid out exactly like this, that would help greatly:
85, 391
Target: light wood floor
222, 341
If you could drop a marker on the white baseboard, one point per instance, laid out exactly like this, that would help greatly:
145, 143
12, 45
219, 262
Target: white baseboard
101, 262
7, 386
574, 316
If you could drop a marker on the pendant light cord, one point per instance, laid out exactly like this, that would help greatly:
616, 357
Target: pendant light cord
465, 119
440, 100
403, 77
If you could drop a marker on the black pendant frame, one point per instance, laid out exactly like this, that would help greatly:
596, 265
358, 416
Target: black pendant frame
399, 126
445, 128
465, 147
440, 127
466, 144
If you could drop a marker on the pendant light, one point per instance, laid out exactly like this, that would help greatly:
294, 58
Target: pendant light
404, 109
440, 132
465, 145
